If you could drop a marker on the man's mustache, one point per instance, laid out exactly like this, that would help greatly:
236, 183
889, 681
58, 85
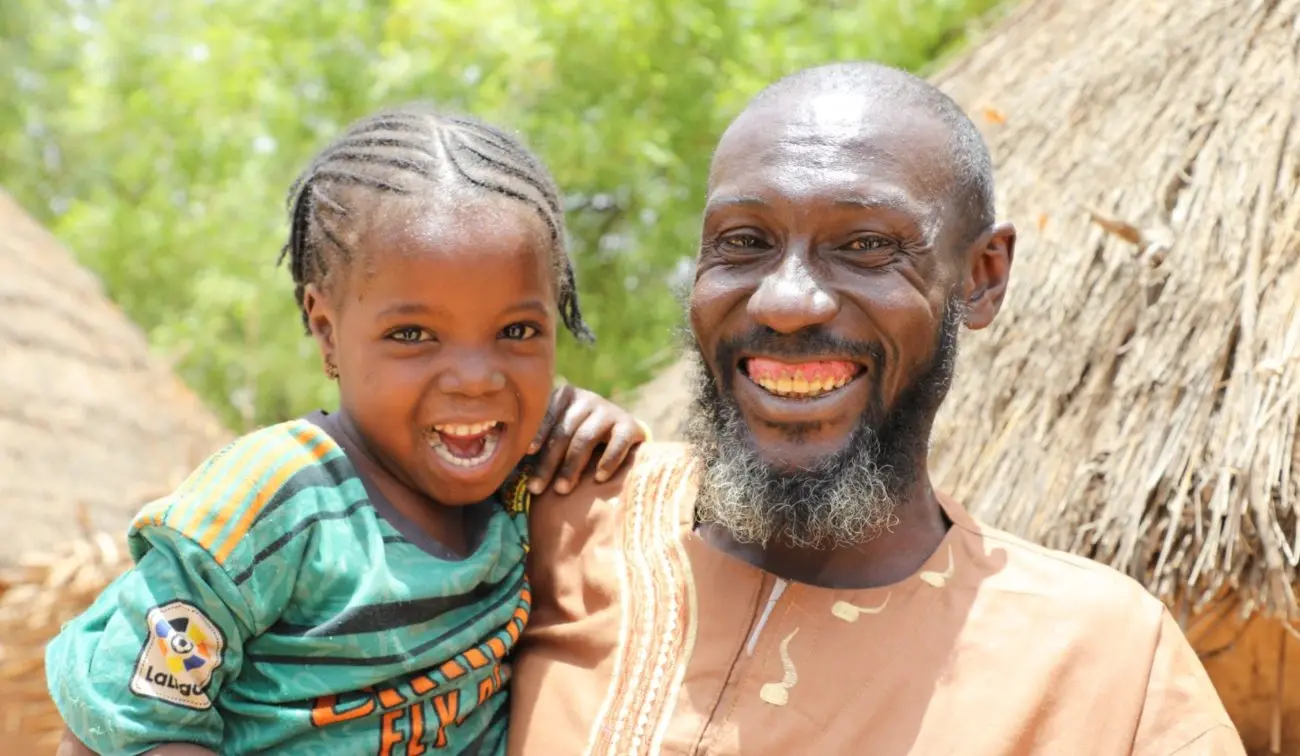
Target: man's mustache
807, 345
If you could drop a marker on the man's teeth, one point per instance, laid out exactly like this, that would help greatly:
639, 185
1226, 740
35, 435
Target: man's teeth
473, 429
799, 386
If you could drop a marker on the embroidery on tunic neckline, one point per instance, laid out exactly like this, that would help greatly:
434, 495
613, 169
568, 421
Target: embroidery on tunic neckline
850, 613
778, 693
658, 615
940, 579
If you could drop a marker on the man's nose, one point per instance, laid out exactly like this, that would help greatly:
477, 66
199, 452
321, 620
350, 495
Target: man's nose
791, 298
471, 376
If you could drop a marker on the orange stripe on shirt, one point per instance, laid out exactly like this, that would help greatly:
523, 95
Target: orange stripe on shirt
282, 451
152, 513
316, 446
477, 659
155, 512
451, 669
229, 489
190, 489
220, 474
232, 481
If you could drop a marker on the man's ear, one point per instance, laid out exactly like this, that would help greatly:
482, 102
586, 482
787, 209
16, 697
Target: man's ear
987, 274
321, 316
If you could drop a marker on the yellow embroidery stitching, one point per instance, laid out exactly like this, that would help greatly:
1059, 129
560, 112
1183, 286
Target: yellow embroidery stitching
850, 613
939, 579
778, 693
658, 611
520, 500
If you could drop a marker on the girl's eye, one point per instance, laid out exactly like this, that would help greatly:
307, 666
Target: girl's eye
867, 243
519, 332
410, 335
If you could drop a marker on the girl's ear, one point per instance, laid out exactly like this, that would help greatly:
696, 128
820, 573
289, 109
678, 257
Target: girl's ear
321, 317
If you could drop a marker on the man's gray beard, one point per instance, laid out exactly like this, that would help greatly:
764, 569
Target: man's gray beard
844, 500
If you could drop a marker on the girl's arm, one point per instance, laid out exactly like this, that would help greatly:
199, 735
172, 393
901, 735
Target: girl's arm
70, 746
577, 424
142, 666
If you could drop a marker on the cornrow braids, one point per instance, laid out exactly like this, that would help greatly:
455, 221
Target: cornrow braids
413, 151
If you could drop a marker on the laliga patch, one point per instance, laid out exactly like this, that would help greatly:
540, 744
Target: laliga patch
179, 656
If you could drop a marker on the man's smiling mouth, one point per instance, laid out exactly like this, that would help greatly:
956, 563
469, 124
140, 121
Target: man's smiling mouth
800, 380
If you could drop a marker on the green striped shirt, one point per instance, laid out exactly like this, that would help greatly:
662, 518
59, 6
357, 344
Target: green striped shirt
277, 606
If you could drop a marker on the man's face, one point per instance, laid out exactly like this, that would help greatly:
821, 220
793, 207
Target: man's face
832, 278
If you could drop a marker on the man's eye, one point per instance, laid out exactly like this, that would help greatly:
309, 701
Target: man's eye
744, 241
867, 243
519, 332
410, 335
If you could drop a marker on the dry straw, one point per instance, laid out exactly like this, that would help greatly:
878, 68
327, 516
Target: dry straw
87, 414
1137, 402
36, 597
87, 418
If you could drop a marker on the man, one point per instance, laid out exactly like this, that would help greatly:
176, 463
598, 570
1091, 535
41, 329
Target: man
790, 582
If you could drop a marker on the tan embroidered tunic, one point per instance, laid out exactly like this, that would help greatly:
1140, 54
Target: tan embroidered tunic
644, 639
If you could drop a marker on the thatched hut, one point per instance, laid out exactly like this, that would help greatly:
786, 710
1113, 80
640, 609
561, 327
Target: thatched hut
91, 426
88, 418
1138, 400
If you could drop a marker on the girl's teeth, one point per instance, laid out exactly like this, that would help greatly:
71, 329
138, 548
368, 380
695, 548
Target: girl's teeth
465, 430
489, 446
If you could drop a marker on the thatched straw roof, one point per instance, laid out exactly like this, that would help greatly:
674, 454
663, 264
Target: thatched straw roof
37, 596
1137, 401
89, 422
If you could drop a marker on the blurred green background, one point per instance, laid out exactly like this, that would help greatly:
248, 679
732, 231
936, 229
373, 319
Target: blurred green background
157, 140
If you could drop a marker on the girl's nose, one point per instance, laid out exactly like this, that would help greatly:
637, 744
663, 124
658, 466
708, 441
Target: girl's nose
471, 378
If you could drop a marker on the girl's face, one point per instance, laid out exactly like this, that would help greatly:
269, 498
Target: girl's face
443, 332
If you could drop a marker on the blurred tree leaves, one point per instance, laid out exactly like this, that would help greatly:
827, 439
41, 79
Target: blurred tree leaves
157, 140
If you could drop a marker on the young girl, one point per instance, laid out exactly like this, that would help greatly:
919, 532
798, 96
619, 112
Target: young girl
351, 582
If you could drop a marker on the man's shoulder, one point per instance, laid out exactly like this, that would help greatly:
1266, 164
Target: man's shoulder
652, 469
653, 479
578, 541
1107, 632
1089, 589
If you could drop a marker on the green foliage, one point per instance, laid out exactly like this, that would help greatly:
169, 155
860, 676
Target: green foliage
158, 140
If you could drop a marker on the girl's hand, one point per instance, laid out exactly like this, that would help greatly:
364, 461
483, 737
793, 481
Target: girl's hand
577, 423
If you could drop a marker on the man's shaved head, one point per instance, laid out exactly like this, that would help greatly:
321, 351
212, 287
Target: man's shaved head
969, 161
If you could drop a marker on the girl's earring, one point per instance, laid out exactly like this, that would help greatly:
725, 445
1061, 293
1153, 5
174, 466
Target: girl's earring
331, 370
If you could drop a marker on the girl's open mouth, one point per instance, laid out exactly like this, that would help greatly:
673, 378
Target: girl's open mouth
466, 444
